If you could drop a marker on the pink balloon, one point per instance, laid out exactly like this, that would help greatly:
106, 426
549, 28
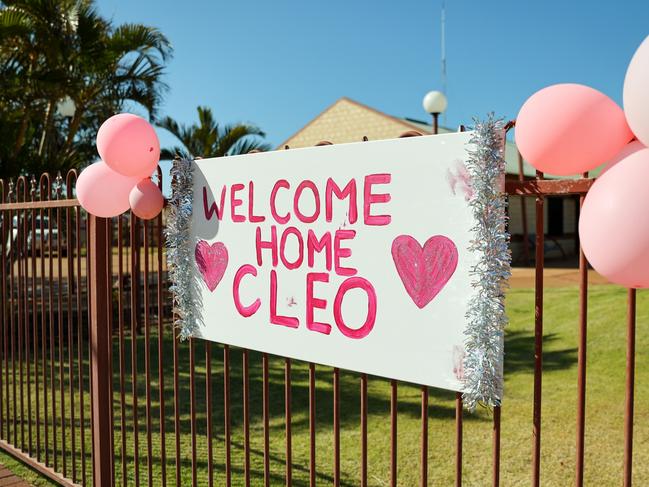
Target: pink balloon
627, 150
569, 129
103, 192
129, 145
613, 225
146, 199
636, 93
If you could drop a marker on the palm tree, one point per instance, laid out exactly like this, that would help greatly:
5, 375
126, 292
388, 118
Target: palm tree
209, 139
53, 49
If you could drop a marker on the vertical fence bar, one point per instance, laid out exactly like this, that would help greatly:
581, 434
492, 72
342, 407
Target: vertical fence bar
27, 328
109, 279
581, 361
424, 436
50, 297
336, 386
226, 415
458, 439
7, 291
12, 252
135, 249
287, 422
266, 414
246, 417
176, 409
496, 448
59, 320
147, 358
34, 243
121, 344
20, 236
364, 430
161, 375
89, 329
630, 389
312, 426
192, 407
34, 321
393, 433
100, 346
43, 184
538, 339
208, 415
82, 422
4, 396
71, 284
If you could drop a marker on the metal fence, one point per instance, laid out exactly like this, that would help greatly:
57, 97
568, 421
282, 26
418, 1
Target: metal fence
96, 389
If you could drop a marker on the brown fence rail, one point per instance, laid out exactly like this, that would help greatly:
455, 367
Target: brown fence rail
96, 390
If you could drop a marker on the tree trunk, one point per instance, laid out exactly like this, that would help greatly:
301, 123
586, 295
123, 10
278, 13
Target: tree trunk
49, 115
20, 139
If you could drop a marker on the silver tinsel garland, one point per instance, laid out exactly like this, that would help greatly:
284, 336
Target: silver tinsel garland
486, 318
180, 250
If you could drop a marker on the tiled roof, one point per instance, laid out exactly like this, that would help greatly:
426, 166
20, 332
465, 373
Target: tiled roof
348, 121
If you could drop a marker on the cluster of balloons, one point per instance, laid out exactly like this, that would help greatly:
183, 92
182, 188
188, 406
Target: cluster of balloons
129, 149
569, 129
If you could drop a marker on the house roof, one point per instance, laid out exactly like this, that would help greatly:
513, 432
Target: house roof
347, 120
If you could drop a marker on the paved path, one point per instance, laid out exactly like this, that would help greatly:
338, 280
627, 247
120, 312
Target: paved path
523, 277
7, 478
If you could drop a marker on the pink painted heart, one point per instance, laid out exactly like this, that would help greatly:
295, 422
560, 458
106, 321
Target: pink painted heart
212, 260
425, 270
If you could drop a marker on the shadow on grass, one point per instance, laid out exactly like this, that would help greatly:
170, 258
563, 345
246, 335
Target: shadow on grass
378, 397
519, 353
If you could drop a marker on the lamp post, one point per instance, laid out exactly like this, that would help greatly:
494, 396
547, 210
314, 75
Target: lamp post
66, 107
435, 103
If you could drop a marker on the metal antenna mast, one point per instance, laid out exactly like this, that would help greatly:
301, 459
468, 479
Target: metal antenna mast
443, 45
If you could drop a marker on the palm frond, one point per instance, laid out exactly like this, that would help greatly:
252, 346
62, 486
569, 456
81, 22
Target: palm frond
232, 135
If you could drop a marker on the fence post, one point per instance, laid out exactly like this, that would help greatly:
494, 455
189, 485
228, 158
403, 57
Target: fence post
100, 334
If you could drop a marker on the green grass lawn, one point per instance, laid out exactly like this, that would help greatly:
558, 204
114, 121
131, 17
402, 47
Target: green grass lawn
604, 426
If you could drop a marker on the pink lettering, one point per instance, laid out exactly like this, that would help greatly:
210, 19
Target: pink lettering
371, 198
282, 183
213, 208
314, 245
365, 285
342, 252
276, 319
261, 244
349, 191
245, 311
298, 193
313, 302
251, 203
282, 248
235, 202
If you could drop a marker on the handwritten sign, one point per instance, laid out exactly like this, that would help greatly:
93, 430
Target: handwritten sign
353, 255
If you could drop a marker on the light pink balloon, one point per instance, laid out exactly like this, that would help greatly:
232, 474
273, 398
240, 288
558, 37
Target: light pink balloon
146, 199
613, 225
129, 145
103, 192
569, 129
636, 93
627, 150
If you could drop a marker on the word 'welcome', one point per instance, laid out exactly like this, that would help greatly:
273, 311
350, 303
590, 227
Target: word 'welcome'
277, 218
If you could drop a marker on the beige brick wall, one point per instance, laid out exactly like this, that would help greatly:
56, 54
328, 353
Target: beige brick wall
347, 121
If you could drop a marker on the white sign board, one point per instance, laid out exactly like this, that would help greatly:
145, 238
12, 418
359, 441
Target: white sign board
354, 255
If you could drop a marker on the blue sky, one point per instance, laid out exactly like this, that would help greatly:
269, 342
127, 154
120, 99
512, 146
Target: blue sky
280, 63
